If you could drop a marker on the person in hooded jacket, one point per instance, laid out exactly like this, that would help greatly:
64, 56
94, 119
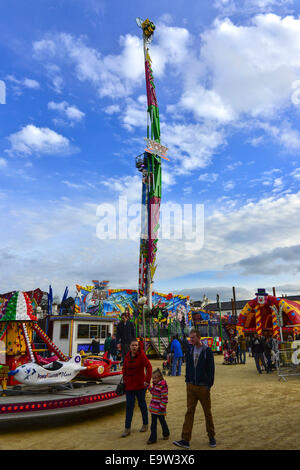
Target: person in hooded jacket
136, 382
199, 378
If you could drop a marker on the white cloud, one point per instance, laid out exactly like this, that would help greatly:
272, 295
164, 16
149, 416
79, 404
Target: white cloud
55, 75
204, 104
3, 163
233, 166
72, 113
233, 234
112, 75
168, 178
115, 75
24, 83
208, 177
40, 141
187, 190
135, 113
230, 7
112, 109
239, 239
283, 135
73, 185
249, 69
192, 146
129, 187
278, 184
296, 174
29, 83
228, 185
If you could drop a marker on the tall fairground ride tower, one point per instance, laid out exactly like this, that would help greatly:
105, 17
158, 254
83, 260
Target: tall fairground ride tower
149, 164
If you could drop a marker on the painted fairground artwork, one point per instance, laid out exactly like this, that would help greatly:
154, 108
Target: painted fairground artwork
100, 300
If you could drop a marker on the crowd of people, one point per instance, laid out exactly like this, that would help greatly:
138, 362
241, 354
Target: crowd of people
263, 349
235, 350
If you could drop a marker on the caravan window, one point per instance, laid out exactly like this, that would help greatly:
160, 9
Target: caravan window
89, 331
83, 331
64, 331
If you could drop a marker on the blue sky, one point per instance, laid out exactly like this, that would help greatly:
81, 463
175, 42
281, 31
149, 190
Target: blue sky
227, 77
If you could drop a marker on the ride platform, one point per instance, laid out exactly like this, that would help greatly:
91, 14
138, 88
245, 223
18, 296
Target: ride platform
24, 402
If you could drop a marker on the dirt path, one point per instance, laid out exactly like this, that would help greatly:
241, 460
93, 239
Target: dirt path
250, 411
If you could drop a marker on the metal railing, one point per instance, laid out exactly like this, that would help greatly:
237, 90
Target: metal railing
287, 360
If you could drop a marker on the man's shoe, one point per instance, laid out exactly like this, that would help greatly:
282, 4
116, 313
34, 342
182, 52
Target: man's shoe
212, 442
166, 438
126, 432
182, 443
144, 428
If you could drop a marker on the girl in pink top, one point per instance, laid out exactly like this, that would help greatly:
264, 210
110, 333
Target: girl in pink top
158, 406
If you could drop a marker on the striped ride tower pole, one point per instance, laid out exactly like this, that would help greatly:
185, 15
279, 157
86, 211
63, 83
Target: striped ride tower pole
276, 332
258, 321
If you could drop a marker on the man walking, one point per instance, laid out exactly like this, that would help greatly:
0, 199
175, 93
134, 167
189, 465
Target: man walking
200, 371
258, 349
125, 334
177, 356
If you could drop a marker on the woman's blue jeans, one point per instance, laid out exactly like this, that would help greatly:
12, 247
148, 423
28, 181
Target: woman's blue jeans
130, 401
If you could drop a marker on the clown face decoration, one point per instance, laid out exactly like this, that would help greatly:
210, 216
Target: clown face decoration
261, 296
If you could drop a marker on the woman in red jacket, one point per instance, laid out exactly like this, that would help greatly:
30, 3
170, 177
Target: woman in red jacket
136, 383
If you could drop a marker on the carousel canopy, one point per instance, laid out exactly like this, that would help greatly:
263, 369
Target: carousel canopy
17, 307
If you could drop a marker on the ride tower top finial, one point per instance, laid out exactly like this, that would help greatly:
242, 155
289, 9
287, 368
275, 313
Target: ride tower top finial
148, 28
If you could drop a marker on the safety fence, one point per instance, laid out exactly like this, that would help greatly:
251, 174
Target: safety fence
288, 359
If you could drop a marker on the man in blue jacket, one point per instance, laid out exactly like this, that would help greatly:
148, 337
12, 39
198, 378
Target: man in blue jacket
176, 356
199, 377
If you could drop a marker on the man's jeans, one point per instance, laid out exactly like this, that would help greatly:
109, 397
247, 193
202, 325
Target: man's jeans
130, 401
242, 357
260, 357
197, 393
176, 366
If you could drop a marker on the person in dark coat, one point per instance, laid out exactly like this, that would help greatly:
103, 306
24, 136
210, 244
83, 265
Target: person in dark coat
125, 334
95, 346
199, 378
185, 345
258, 349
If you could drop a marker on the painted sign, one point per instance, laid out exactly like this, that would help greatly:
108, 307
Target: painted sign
156, 148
